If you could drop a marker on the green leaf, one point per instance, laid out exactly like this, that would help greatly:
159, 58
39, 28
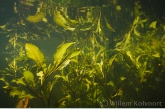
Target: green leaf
61, 58
29, 78
153, 25
63, 77
136, 31
122, 78
19, 81
59, 54
74, 60
112, 59
20, 93
111, 83
136, 20
35, 54
64, 64
75, 53
41, 76
157, 55
100, 51
87, 86
68, 58
50, 85
15, 92
108, 25
4, 80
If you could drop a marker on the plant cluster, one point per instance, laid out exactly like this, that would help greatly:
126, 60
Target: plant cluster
86, 68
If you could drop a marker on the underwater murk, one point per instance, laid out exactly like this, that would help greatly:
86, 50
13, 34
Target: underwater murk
82, 53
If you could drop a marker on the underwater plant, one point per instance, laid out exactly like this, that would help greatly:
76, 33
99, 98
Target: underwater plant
36, 80
112, 65
103, 73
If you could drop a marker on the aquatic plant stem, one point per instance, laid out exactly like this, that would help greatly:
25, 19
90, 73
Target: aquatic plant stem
37, 96
49, 98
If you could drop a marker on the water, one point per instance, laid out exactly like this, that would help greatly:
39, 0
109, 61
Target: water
103, 53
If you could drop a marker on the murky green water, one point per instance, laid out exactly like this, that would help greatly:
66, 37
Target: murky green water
74, 53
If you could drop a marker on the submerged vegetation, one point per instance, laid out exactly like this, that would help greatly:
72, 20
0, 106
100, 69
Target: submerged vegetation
91, 65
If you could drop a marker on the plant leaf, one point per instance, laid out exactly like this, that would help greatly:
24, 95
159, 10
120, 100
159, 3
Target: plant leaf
20, 93
108, 25
35, 54
136, 31
112, 59
67, 59
29, 77
19, 81
4, 80
50, 85
136, 20
75, 53
59, 54
41, 76
111, 83
64, 64
153, 25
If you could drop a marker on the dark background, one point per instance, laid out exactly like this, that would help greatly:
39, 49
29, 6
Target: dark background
154, 9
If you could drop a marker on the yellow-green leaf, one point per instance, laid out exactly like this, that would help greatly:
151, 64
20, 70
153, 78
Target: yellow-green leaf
4, 80
35, 54
136, 20
136, 31
41, 76
153, 25
20, 93
64, 64
29, 78
157, 55
144, 20
74, 60
108, 25
59, 54
18, 81
87, 85
75, 53
111, 83
112, 59
122, 78
67, 60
